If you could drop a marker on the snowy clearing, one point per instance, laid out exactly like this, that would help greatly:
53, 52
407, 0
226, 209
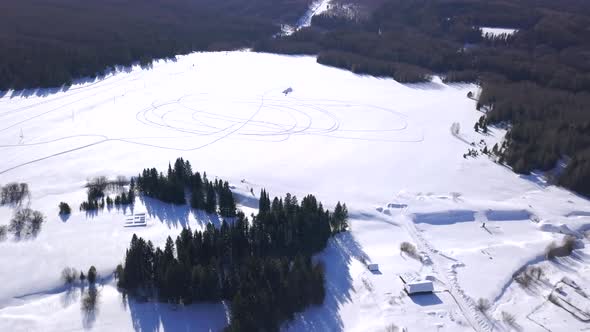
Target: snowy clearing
382, 147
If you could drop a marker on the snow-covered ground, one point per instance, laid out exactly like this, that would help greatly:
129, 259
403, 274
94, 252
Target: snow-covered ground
384, 148
493, 32
315, 8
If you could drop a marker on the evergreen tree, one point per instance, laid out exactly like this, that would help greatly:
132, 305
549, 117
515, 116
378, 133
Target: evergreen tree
92, 275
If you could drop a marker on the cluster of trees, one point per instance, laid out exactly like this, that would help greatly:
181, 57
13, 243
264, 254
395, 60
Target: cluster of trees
210, 196
14, 193
50, 43
25, 223
96, 198
403, 72
69, 275
64, 208
263, 267
537, 79
547, 125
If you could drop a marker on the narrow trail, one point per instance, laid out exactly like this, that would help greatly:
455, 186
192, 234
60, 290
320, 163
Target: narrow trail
467, 306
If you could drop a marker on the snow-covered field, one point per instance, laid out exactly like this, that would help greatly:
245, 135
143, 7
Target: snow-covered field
384, 148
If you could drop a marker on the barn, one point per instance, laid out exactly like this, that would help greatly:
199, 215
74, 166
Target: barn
414, 284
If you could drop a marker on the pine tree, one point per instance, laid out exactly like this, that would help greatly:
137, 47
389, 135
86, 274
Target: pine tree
92, 275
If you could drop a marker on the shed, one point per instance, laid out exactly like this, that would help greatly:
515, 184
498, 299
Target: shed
419, 286
373, 267
414, 284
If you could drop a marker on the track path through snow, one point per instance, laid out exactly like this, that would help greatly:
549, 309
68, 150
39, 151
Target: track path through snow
467, 306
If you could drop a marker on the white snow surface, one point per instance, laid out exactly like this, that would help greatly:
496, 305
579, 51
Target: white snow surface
317, 7
491, 31
382, 147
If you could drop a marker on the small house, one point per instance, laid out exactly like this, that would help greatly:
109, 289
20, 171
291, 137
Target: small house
419, 286
373, 267
414, 284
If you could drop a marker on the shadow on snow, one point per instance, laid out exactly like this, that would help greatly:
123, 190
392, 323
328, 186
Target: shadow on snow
337, 257
157, 316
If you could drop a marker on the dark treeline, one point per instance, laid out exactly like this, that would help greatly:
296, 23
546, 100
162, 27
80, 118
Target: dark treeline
263, 267
98, 199
537, 79
179, 180
49, 43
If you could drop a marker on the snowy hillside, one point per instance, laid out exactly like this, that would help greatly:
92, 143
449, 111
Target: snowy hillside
384, 148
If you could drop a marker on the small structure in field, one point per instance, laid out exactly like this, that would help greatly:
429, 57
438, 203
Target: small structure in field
414, 284
136, 220
373, 267
288, 91
419, 287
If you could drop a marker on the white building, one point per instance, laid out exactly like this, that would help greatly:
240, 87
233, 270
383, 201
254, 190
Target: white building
419, 286
414, 284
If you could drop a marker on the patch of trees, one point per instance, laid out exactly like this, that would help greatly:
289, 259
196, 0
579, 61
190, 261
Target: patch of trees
69, 275
97, 197
263, 267
14, 193
64, 208
210, 196
547, 124
25, 223
51, 43
358, 64
538, 79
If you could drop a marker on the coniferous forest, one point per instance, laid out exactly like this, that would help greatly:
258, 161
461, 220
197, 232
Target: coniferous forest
537, 80
263, 267
49, 43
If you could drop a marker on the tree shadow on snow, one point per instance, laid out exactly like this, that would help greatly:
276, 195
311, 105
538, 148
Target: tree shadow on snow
337, 257
172, 215
246, 200
204, 218
157, 316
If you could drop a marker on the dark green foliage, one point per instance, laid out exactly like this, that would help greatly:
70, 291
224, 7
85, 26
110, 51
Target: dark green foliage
404, 73
26, 223
577, 173
204, 194
50, 43
92, 275
64, 208
165, 188
14, 193
263, 268
211, 199
340, 218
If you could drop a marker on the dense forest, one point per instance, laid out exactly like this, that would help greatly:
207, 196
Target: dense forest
210, 196
49, 43
263, 267
536, 80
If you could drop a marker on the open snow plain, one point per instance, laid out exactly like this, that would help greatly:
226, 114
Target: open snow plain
384, 148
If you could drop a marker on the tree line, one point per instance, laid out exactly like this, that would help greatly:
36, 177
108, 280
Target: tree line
210, 196
537, 79
51, 43
97, 199
263, 267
